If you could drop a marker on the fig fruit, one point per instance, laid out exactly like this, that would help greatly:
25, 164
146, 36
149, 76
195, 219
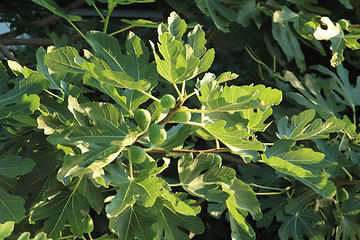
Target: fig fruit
137, 154
157, 134
181, 116
142, 118
168, 101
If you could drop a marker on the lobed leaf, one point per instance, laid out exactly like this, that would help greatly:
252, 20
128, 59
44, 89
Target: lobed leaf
11, 207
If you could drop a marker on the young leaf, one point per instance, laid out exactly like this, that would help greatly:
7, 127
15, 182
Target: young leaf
11, 207
181, 62
145, 187
134, 222
204, 185
53, 7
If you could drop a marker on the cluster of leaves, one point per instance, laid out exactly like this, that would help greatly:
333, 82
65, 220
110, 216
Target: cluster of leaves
68, 129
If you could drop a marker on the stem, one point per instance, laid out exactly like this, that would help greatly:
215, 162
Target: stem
54, 95
194, 124
178, 91
175, 185
98, 11
130, 166
269, 193
110, 9
90, 237
183, 89
270, 188
217, 143
121, 30
347, 173
76, 28
150, 96
67, 237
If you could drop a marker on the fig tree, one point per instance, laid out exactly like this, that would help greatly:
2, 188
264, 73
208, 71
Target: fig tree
142, 118
181, 116
137, 154
168, 101
157, 134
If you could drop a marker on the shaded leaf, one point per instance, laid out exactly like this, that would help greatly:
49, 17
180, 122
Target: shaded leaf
63, 60
11, 207
12, 166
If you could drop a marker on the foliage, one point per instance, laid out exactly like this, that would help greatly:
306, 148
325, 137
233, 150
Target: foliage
143, 137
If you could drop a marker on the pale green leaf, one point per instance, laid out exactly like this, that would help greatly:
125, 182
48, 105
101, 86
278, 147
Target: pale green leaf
237, 98
320, 183
41, 67
6, 229
134, 222
39, 236
12, 166
11, 207
176, 136
25, 105
144, 187
204, 185
176, 26
197, 41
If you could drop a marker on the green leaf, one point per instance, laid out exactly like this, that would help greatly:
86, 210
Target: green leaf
63, 60
62, 207
326, 105
286, 167
134, 222
299, 224
177, 136
6, 229
33, 84
302, 128
289, 44
25, 105
100, 143
236, 140
92, 194
248, 11
170, 220
343, 86
181, 62
53, 7
41, 67
12, 166
298, 204
239, 206
274, 204
349, 228
204, 185
214, 7
351, 206
320, 183
237, 98
145, 187
11, 207
39, 236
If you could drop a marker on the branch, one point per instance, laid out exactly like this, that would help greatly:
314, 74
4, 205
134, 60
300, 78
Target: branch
54, 17
33, 41
7, 53
341, 183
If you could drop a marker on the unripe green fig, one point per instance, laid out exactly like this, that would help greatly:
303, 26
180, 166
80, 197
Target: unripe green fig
157, 134
142, 118
181, 116
137, 154
168, 101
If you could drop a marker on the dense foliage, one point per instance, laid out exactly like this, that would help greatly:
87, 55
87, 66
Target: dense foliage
227, 119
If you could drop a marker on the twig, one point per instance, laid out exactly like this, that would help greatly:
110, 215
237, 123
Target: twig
7, 53
33, 41
342, 183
